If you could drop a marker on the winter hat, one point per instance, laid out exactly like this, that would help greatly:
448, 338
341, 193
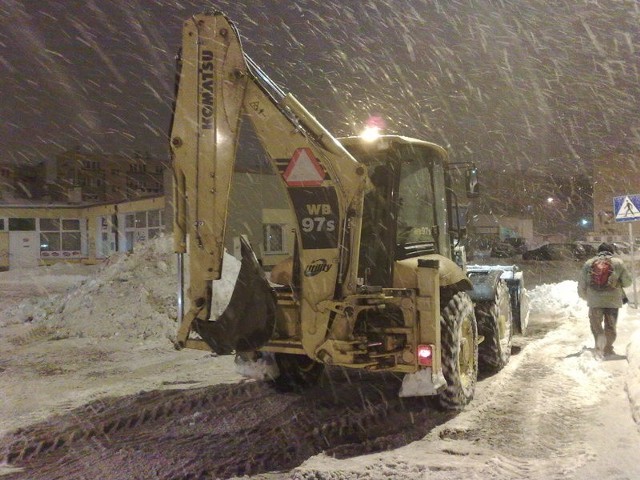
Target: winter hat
606, 247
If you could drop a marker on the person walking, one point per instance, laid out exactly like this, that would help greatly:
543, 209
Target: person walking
600, 284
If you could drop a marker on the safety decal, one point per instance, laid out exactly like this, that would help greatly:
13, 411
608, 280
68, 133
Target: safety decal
304, 170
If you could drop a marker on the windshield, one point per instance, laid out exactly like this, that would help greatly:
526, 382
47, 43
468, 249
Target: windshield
415, 205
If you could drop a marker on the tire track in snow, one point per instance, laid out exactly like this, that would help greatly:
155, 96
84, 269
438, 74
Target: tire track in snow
526, 422
535, 413
220, 431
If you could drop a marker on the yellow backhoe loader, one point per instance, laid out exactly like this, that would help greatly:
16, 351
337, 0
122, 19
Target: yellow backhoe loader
376, 281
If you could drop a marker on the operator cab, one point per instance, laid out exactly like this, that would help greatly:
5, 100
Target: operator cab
406, 212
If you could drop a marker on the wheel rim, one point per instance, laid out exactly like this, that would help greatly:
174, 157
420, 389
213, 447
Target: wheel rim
466, 356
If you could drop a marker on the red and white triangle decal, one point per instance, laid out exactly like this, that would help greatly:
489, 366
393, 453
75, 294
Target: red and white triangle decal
303, 170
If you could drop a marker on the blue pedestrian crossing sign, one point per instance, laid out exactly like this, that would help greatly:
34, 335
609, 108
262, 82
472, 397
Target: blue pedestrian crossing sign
626, 208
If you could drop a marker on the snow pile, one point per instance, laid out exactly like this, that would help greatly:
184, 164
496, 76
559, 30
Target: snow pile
27, 293
558, 300
132, 296
633, 375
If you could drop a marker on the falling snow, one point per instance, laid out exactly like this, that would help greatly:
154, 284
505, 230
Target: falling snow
532, 92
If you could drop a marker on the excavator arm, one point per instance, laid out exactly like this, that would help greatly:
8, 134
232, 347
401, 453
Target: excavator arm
218, 84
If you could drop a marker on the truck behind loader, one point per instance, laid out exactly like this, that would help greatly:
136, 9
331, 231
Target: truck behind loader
377, 280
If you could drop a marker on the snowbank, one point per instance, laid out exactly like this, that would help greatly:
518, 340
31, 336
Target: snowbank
558, 300
131, 296
633, 375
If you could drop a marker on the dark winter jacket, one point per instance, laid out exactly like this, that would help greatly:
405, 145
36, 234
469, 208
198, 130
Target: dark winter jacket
611, 296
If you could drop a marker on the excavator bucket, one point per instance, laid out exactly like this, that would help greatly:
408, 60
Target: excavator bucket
248, 321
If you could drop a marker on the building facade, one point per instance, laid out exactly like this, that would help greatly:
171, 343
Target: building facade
75, 177
44, 233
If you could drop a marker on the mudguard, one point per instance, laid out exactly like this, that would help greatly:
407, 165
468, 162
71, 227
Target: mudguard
484, 278
248, 321
484, 284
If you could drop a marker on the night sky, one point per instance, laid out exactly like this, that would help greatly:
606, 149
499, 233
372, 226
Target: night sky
520, 84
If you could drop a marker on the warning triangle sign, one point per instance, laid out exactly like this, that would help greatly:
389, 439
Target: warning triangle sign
627, 210
303, 170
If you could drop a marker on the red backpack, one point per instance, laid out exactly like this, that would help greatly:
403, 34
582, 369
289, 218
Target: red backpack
601, 270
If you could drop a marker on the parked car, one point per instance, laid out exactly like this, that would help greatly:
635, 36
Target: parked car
622, 247
503, 250
518, 243
556, 251
590, 249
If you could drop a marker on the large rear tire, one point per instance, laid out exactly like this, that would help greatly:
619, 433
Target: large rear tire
297, 372
495, 324
459, 341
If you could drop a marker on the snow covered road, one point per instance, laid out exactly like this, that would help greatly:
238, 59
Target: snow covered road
555, 411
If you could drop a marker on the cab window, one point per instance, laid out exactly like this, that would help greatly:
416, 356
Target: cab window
415, 205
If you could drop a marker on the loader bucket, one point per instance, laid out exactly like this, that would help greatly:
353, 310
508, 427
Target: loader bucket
248, 321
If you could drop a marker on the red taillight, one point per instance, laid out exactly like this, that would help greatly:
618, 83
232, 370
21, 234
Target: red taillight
425, 355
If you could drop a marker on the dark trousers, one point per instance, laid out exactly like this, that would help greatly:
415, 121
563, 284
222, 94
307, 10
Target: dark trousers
610, 318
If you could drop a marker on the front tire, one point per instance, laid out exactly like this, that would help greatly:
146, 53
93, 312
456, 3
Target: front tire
519, 309
459, 342
495, 324
297, 372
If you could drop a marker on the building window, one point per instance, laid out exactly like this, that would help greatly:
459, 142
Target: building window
273, 238
22, 224
1, 224
91, 165
141, 219
129, 221
60, 237
49, 224
137, 167
155, 223
71, 224
141, 226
